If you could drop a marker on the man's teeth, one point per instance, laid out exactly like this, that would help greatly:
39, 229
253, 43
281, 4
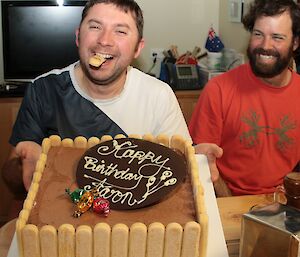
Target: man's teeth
266, 56
105, 56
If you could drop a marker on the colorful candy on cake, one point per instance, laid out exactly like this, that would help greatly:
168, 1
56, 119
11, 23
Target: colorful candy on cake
114, 197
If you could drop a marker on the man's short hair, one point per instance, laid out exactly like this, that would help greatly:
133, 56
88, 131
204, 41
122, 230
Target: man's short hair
124, 5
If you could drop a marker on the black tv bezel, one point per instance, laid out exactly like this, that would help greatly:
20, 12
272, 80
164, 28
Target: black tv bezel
5, 29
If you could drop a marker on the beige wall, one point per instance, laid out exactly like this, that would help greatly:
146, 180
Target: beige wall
181, 23
232, 34
167, 22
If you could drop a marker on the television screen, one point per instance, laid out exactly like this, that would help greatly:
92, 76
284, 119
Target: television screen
38, 36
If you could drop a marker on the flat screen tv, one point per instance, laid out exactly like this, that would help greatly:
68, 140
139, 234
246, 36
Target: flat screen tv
38, 36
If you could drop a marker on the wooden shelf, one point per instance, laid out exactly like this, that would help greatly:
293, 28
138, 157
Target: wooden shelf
9, 108
187, 100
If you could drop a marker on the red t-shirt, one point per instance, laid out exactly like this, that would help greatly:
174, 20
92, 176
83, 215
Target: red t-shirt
257, 126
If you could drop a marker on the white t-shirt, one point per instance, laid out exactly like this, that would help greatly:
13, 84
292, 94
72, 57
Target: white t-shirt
146, 105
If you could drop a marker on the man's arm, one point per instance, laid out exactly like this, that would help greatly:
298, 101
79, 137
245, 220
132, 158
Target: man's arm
206, 128
18, 170
12, 173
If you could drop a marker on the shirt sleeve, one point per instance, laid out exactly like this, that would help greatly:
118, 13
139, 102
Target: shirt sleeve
172, 121
27, 126
207, 119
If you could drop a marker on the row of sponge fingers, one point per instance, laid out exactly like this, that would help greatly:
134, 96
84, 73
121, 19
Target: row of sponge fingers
138, 240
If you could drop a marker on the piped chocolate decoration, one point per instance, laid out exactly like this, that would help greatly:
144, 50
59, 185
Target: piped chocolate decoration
131, 173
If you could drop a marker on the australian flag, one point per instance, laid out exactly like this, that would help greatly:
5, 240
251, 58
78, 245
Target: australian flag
213, 42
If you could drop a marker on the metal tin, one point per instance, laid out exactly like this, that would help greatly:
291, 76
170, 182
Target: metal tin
272, 231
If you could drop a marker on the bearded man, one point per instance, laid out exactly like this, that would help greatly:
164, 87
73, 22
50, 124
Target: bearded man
247, 120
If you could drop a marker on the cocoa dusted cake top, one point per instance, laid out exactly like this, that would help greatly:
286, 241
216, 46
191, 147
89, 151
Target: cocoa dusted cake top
131, 173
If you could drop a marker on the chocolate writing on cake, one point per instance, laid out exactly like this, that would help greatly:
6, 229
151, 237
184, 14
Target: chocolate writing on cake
131, 173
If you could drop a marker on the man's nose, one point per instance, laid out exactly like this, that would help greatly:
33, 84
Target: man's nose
267, 43
105, 38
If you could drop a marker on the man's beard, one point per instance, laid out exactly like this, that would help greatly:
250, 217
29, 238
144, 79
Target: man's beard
264, 70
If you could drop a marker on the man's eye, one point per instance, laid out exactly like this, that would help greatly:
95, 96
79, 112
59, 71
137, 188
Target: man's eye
256, 34
122, 32
278, 38
94, 26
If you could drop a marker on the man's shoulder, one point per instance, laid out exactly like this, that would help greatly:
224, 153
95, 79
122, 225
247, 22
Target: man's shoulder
237, 71
56, 71
146, 79
296, 75
147, 82
230, 79
51, 76
53, 84
54, 79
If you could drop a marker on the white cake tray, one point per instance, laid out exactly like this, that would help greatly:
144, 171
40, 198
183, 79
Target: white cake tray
216, 241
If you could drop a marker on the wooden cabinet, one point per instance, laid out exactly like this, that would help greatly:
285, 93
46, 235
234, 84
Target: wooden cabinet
8, 112
187, 100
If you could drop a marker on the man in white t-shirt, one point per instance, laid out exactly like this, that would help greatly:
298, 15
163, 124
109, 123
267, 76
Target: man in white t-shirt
90, 101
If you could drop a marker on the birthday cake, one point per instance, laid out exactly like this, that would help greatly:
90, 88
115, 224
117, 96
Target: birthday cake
154, 200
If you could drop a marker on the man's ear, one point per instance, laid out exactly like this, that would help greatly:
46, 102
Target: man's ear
77, 37
139, 47
296, 43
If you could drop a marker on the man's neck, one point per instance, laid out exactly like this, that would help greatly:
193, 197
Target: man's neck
280, 80
96, 91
